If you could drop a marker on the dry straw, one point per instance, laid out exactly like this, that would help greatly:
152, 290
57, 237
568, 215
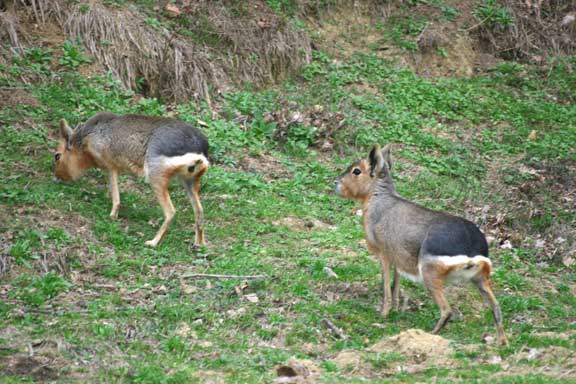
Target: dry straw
166, 63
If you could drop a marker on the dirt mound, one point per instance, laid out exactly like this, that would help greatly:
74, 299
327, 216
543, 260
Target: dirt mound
299, 371
418, 347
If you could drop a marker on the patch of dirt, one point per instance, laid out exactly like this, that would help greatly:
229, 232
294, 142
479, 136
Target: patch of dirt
556, 362
40, 359
566, 335
265, 165
333, 292
209, 377
53, 254
12, 97
418, 347
341, 29
348, 361
444, 48
550, 356
529, 187
45, 35
303, 224
41, 368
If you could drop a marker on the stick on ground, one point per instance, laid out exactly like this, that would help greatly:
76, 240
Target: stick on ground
212, 276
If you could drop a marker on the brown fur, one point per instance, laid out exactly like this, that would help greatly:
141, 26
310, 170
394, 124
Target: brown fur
120, 144
396, 230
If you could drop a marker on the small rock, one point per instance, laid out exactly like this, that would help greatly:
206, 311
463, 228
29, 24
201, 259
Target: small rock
540, 243
560, 240
533, 354
236, 312
568, 19
495, 360
330, 273
488, 339
252, 297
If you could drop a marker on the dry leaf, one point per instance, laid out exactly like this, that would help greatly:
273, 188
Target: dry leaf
172, 10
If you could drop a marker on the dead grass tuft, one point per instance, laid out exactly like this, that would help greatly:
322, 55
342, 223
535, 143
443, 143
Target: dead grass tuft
213, 48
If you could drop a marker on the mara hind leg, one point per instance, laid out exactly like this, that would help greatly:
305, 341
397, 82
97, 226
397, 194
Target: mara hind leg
192, 186
434, 282
485, 287
160, 188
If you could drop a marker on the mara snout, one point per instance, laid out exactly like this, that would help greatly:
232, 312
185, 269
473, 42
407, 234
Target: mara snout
156, 148
425, 246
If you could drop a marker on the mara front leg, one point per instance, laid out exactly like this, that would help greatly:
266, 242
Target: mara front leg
114, 193
396, 290
386, 290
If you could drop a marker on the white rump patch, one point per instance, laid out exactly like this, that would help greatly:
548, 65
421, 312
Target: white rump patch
460, 259
184, 160
181, 162
468, 267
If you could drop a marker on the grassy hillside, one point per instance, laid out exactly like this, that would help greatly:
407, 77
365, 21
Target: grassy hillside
82, 298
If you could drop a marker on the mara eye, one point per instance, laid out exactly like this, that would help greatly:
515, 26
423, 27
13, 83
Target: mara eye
356, 171
57, 156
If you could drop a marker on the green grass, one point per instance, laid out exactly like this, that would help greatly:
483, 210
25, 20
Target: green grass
127, 313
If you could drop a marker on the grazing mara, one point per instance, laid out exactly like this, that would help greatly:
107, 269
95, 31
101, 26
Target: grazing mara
154, 147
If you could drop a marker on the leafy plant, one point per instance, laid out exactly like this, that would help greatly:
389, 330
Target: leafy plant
494, 15
404, 30
39, 289
72, 56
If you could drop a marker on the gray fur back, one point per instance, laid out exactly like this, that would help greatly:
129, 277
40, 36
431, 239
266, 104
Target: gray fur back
133, 138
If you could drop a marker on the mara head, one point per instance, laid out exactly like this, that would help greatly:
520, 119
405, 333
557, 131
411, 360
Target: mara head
69, 160
360, 178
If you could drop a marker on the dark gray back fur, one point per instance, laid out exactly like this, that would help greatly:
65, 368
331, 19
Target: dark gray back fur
403, 225
138, 136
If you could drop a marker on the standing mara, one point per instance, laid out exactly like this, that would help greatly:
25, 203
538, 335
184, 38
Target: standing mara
423, 245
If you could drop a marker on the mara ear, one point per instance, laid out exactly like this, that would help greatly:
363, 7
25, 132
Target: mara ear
376, 160
65, 130
386, 155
